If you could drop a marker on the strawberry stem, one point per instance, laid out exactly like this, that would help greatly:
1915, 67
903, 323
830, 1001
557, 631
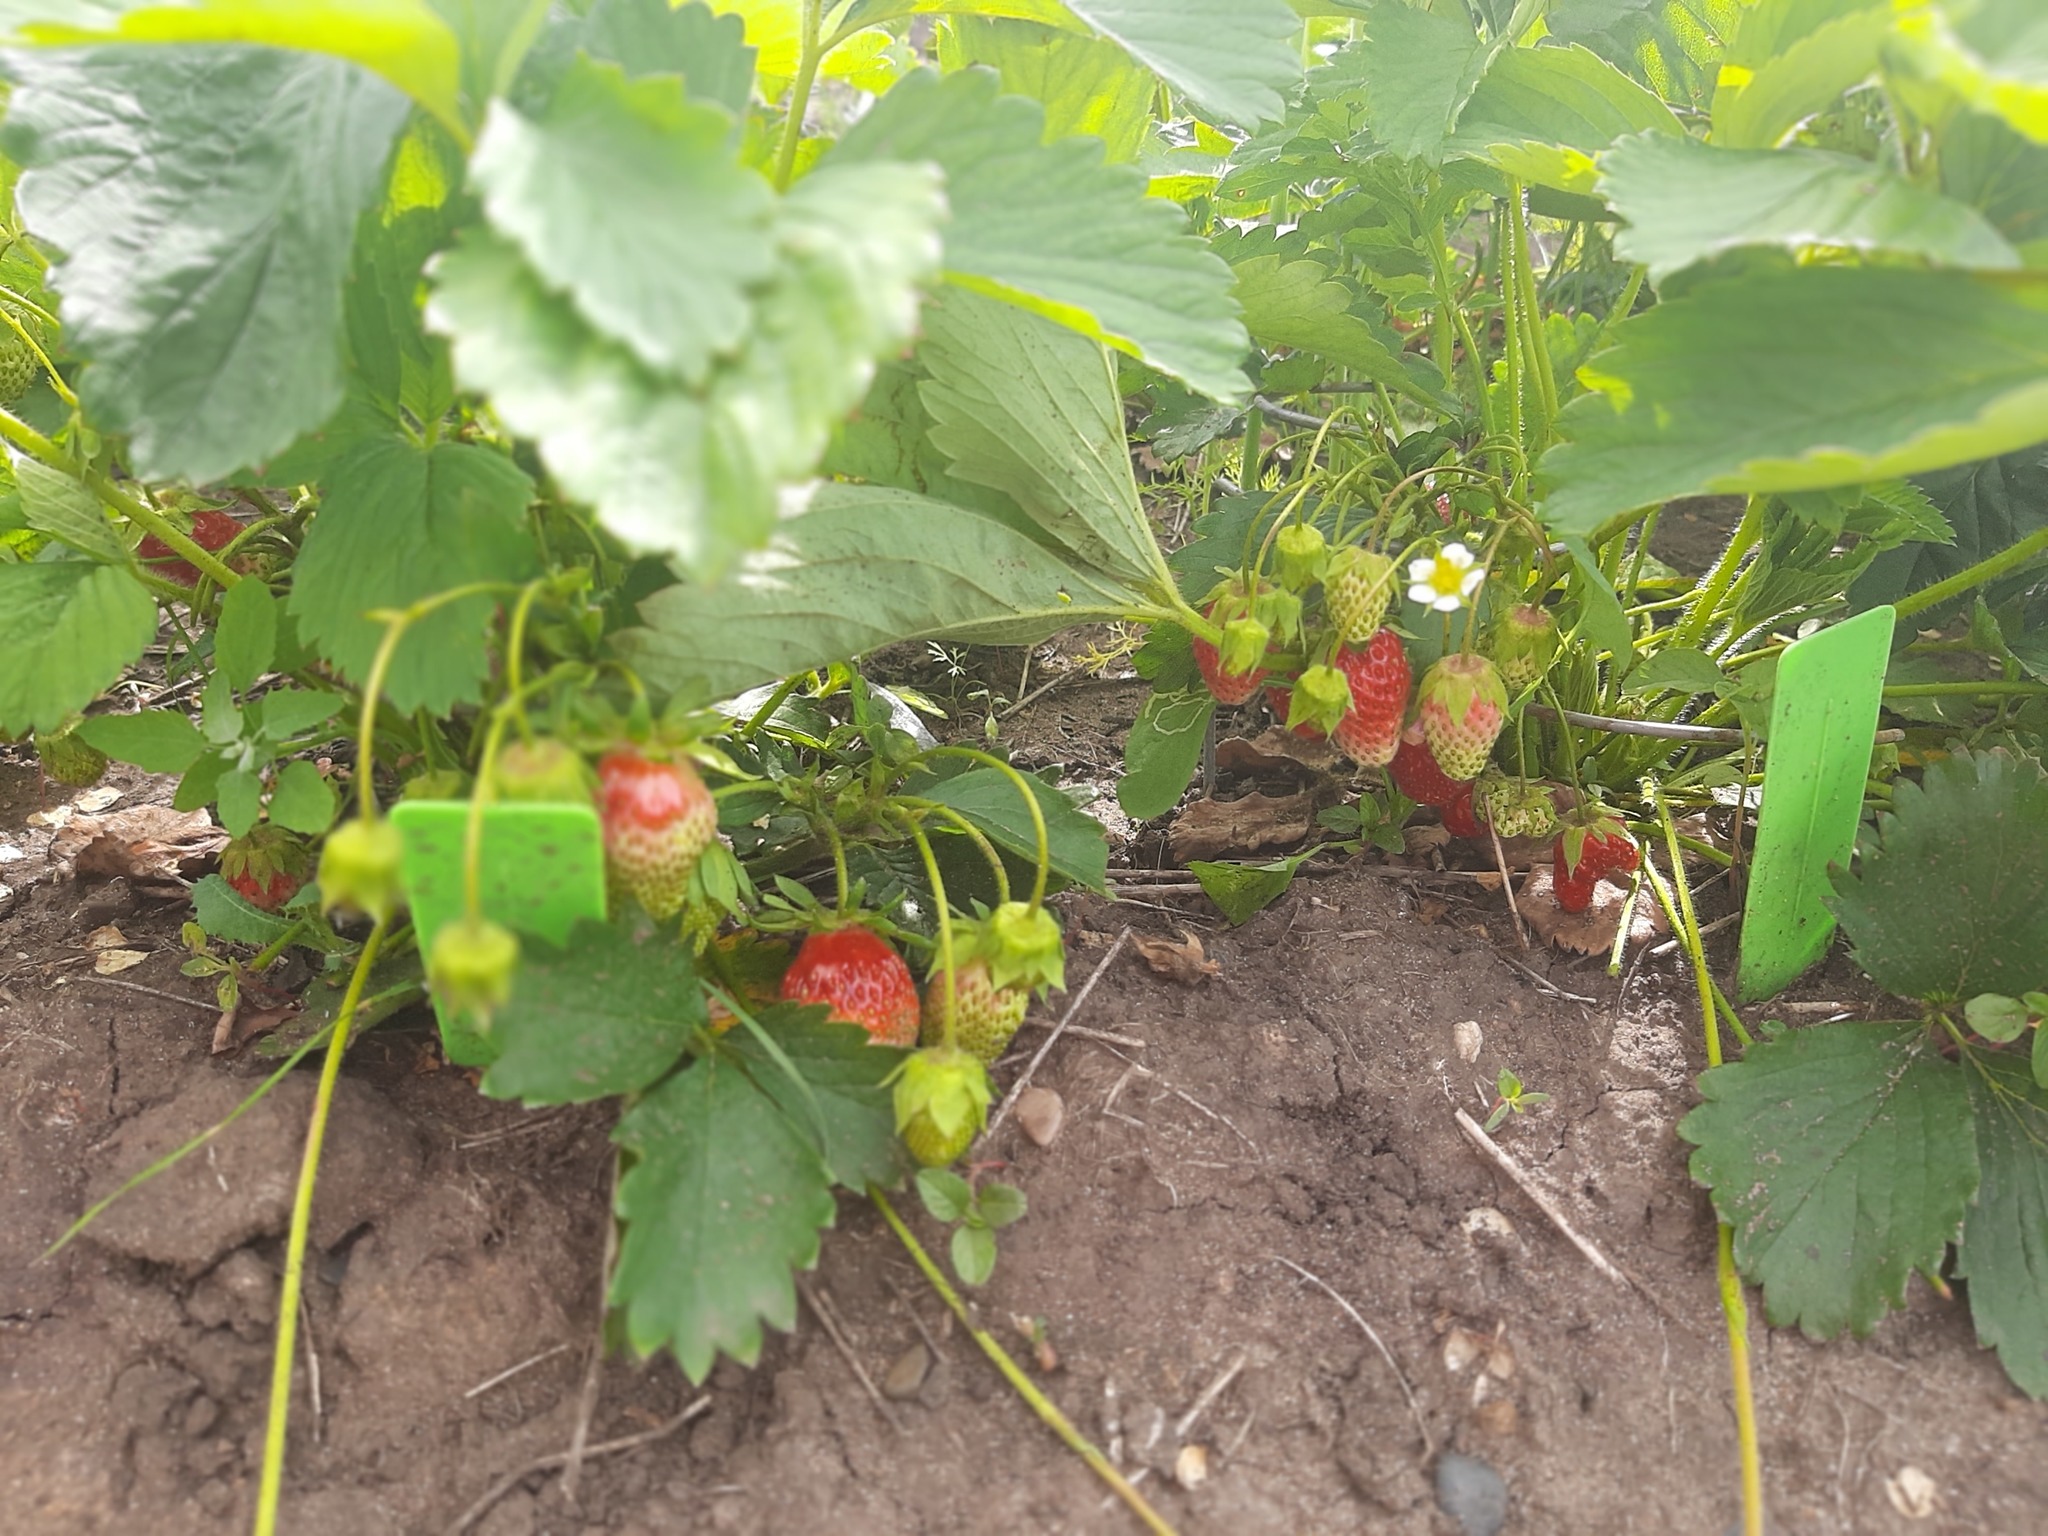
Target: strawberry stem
1048, 1413
831, 830
946, 813
1030, 804
396, 622
950, 1018
272, 1481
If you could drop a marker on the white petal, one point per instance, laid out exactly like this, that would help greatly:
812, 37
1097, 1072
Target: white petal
1419, 572
1472, 578
1448, 602
1457, 554
1422, 592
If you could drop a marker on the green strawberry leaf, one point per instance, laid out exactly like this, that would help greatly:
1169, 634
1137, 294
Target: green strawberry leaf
1086, 84
225, 914
2004, 1251
608, 148
1419, 68
1055, 229
1843, 1157
245, 635
945, 1194
974, 1254
1078, 851
399, 523
860, 567
608, 1013
1163, 750
1944, 900
841, 1102
1244, 890
695, 473
1000, 1204
155, 740
1998, 1019
653, 37
205, 200
67, 629
1030, 409
53, 502
301, 800
723, 1197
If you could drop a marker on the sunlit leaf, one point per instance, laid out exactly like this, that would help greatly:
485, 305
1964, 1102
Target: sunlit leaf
68, 628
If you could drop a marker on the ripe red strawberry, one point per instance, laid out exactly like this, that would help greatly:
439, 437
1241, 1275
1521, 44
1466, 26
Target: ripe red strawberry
1593, 845
1357, 588
1371, 729
211, 531
1458, 818
265, 866
658, 820
985, 1017
1415, 772
1232, 670
855, 973
1461, 706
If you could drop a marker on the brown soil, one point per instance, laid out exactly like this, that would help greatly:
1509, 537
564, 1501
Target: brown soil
1298, 1106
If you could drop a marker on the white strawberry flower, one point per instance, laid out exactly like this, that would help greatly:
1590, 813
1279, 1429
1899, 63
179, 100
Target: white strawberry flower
1445, 581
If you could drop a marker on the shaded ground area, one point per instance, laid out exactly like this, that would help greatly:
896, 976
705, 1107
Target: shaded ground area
1295, 1106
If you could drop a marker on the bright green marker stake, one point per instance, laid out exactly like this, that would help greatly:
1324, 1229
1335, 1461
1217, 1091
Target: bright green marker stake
1823, 718
542, 870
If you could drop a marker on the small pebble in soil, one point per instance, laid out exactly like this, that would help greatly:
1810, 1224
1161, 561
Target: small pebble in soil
1912, 1493
1471, 1493
1191, 1466
1041, 1112
1467, 1038
906, 1376
1485, 1221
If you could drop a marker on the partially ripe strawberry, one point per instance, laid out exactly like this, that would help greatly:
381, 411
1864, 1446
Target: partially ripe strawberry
1415, 772
1461, 706
985, 1017
854, 972
1458, 818
1357, 587
265, 866
1593, 846
658, 820
1514, 807
1378, 674
212, 531
1232, 672
941, 1102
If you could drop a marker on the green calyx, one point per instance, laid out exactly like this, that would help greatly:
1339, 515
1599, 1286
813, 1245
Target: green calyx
1301, 552
1244, 645
471, 966
1319, 699
359, 869
1023, 946
941, 1099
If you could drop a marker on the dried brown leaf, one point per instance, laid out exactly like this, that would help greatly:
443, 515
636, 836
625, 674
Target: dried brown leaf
1209, 829
1276, 751
1592, 931
1184, 962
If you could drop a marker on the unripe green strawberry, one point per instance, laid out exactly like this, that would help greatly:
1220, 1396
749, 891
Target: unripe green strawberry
985, 1016
854, 972
1300, 551
658, 820
19, 368
436, 784
700, 925
1357, 587
544, 771
70, 760
1024, 947
1370, 731
1523, 645
471, 967
265, 866
1514, 807
1461, 706
941, 1101
1319, 700
360, 868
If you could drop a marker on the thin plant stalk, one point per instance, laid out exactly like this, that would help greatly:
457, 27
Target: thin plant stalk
1048, 1413
810, 54
272, 1479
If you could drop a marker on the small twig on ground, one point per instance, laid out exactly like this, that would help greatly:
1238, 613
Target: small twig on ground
593, 1374
511, 1480
832, 1331
931, 1340
1545, 984
1507, 884
1715, 926
1378, 1343
312, 1364
510, 1371
136, 986
1080, 1000
1210, 1393
1083, 1032
1528, 1186
519, 1128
